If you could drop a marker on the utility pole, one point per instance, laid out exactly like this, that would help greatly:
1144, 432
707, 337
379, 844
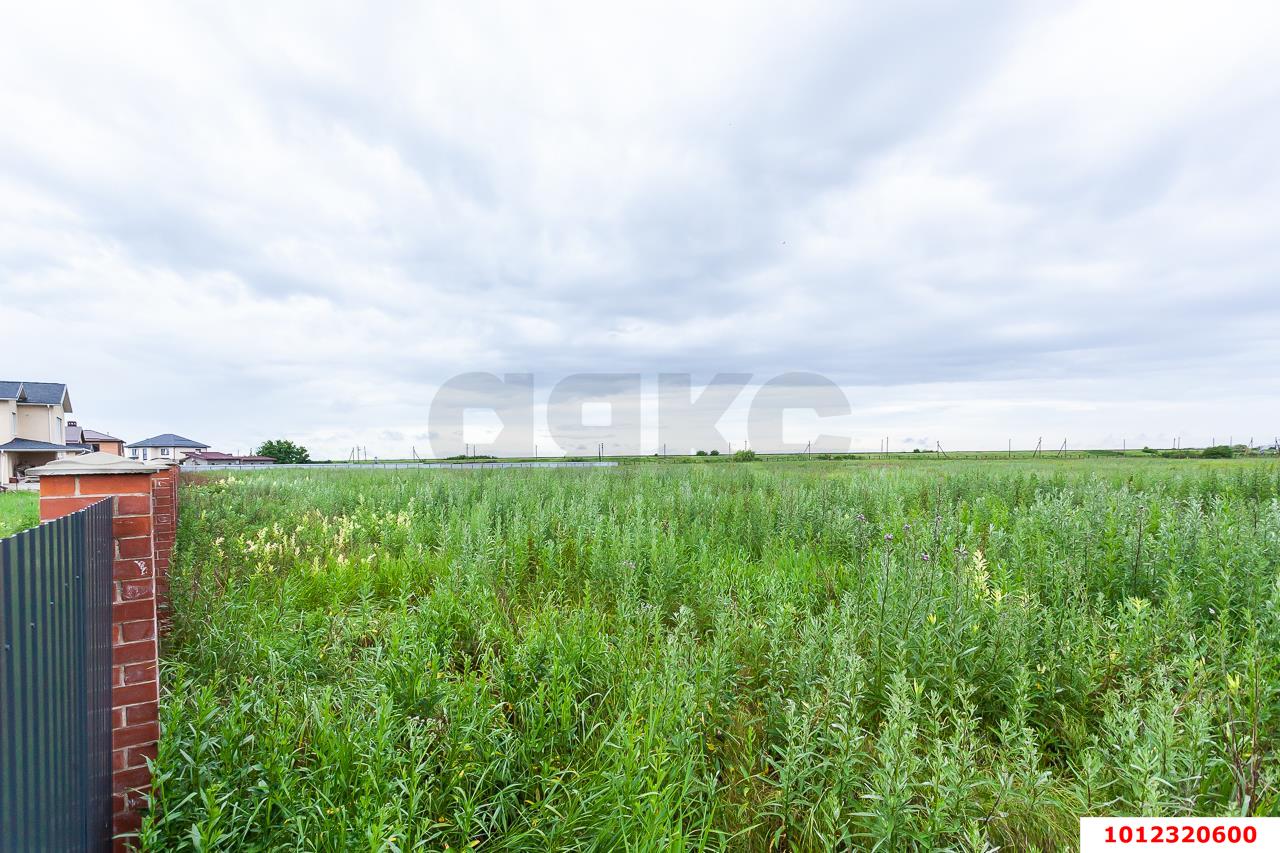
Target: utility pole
940, 450
1011, 448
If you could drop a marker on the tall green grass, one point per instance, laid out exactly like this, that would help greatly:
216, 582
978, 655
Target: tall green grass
755, 657
18, 511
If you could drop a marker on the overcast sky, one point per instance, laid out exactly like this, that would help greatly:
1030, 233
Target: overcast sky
984, 221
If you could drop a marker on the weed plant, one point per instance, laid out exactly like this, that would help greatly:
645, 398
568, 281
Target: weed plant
829, 656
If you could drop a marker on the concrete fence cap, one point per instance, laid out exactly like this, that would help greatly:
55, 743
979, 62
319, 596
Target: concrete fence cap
97, 463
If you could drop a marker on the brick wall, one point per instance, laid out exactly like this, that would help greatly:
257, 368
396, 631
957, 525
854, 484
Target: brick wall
143, 524
164, 501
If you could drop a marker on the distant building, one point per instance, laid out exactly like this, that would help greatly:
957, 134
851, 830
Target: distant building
92, 441
32, 426
199, 459
164, 446
257, 460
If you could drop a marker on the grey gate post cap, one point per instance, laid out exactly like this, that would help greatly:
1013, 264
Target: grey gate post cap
97, 463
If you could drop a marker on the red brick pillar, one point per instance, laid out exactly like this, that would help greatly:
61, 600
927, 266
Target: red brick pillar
135, 682
164, 500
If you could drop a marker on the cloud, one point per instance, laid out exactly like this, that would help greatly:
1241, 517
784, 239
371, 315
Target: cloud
302, 220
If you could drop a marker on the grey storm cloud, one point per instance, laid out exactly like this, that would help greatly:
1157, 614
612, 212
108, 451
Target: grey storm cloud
979, 220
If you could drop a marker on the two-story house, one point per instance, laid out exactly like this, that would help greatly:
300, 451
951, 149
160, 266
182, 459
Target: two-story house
33, 427
164, 446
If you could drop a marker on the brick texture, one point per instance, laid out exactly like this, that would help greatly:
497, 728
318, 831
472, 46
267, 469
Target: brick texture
164, 501
144, 526
57, 507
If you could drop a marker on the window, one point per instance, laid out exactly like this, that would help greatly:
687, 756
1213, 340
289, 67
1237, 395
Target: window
58, 437
164, 451
13, 423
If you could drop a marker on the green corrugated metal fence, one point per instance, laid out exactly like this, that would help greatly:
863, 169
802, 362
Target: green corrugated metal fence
55, 684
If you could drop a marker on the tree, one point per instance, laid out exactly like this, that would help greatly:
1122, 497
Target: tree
284, 451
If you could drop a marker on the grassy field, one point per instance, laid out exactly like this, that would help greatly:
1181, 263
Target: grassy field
18, 511
754, 656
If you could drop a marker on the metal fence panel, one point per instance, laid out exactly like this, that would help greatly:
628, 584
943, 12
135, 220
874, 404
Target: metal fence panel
55, 684
403, 466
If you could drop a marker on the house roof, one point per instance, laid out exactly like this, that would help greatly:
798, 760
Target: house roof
30, 444
215, 456
38, 393
77, 434
168, 439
